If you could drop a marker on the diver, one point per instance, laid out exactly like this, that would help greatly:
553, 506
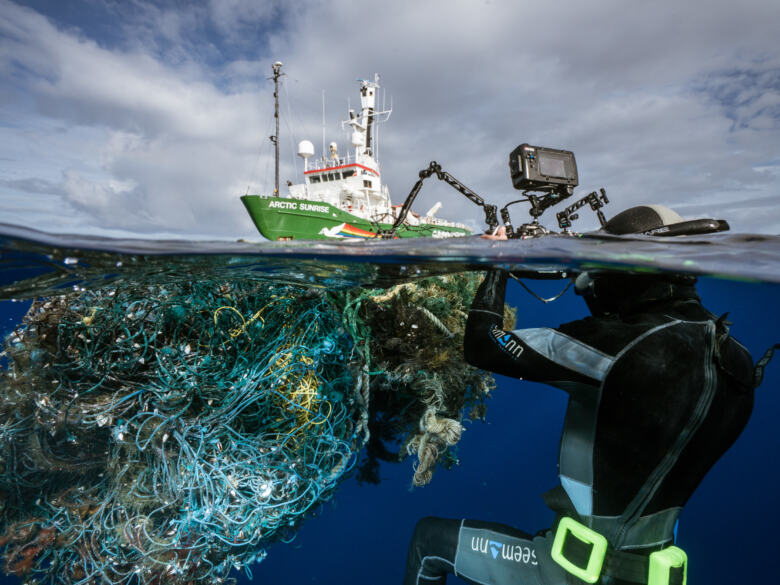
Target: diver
658, 391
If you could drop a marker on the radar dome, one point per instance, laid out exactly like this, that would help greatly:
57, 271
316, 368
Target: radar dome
305, 149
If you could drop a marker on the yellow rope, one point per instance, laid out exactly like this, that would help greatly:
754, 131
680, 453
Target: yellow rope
236, 331
88, 320
303, 396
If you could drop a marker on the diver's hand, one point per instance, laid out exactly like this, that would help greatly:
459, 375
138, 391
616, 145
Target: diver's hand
499, 234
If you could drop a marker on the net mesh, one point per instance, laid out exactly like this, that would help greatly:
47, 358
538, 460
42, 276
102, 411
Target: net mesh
156, 433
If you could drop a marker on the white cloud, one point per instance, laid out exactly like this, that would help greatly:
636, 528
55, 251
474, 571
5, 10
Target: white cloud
661, 102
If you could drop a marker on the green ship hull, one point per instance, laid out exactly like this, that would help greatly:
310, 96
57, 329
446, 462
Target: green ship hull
278, 218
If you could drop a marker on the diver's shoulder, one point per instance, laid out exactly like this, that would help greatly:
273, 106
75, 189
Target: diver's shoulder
609, 333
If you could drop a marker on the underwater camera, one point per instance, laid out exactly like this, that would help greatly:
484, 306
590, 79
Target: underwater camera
536, 168
552, 173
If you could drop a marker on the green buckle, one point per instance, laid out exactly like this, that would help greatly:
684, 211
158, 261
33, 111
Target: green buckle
570, 528
663, 561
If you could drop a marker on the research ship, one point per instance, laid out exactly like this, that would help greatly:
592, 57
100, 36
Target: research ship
341, 196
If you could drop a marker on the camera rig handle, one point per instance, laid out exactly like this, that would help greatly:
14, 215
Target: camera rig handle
435, 168
596, 202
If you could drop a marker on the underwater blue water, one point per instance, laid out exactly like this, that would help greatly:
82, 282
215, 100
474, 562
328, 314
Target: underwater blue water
729, 528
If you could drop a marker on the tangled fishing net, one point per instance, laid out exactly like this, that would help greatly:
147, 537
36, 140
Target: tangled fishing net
421, 385
168, 433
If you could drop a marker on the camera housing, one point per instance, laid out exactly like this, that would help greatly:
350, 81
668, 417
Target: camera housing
537, 168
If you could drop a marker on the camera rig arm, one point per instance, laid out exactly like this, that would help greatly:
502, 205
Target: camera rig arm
565, 217
596, 202
434, 168
539, 203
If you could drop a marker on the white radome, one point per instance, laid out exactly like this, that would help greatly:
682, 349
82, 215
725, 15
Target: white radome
305, 149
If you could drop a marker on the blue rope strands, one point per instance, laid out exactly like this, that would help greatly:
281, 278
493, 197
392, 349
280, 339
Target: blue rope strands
165, 434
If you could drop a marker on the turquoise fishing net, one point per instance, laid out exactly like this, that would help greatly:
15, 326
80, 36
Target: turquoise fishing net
168, 433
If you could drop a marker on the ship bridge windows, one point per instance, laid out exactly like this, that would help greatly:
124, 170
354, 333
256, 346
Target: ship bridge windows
332, 176
366, 184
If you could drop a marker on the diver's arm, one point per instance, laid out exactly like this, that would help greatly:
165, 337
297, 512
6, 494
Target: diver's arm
542, 354
486, 345
487, 308
486, 314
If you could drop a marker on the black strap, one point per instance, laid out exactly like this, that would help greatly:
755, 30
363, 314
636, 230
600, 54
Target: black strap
758, 372
635, 567
721, 336
559, 502
676, 575
626, 566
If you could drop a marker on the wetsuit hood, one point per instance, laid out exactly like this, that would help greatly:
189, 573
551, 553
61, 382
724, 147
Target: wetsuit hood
659, 220
623, 293
612, 293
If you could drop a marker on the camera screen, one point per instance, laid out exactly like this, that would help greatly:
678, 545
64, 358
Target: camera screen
552, 166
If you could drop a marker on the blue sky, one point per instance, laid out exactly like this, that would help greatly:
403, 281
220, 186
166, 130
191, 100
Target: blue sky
151, 118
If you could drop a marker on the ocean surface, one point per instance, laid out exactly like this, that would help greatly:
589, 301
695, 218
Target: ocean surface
360, 536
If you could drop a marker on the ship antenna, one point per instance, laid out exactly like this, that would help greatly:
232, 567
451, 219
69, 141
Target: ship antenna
277, 69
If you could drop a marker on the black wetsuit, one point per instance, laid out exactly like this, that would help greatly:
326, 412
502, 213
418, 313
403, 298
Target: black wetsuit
656, 396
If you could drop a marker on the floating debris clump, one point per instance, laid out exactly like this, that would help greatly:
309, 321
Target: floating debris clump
167, 433
422, 384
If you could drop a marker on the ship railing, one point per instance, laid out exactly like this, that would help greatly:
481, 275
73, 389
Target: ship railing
329, 163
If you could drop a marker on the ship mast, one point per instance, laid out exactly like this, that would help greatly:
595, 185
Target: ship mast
277, 69
364, 122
